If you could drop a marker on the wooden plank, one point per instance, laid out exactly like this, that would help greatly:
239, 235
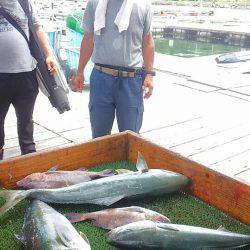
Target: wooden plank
40, 145
242, 90
50, 143
212, 141
11, 131
223, 152
169, 134
235, 95
186, 133
244, 176
78, 135
12, 152
199, 86
98, 151
228, 194
38, 137
234, 165
15, 151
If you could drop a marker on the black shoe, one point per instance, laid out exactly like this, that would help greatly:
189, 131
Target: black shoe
28, 152
1, 154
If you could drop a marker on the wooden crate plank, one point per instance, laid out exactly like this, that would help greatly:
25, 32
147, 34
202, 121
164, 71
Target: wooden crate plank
98, 151
228, 194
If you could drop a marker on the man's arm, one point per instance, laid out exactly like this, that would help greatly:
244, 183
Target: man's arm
86, 51
148, 49
44, 42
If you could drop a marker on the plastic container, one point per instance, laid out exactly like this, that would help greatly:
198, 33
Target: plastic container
74, 22
54, 39
74, 39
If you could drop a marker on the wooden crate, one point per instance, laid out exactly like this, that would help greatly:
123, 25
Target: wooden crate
227, 194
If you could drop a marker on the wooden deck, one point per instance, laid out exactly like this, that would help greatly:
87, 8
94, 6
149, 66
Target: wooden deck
198, 110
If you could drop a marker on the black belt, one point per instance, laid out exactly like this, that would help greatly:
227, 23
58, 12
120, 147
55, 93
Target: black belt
128, 69
119, 71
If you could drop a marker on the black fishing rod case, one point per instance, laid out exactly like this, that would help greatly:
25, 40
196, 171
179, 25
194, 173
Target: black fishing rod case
51, 86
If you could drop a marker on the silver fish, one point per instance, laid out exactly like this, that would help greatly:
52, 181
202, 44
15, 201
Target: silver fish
105, 191
45, 228
152, 235
116, 217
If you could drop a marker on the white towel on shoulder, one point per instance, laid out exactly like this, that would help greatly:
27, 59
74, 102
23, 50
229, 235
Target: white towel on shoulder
121, 20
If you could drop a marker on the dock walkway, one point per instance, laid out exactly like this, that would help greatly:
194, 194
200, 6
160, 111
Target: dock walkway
198, 109
236, 36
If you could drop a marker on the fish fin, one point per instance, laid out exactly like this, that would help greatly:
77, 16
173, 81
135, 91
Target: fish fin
21, 237
167, 227
83, 235
53, 169
107, 201
12, 197
75, 217
123, 171
141, 164
223, 229
64, 235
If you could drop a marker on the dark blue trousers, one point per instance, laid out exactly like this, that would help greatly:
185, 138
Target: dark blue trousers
20, 90
113, 96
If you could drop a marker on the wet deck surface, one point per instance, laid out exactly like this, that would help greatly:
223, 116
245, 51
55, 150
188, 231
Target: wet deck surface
198, 109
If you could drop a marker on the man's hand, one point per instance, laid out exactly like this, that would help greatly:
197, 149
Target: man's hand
78, 82
148, 86
51, 65
44, 42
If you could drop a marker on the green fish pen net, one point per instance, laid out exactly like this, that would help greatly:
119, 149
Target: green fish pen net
179, 207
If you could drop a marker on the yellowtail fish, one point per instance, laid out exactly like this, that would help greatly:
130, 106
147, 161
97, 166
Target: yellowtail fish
45, 228
105, 191
152, 235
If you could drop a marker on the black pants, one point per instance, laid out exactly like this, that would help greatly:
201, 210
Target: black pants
20, 90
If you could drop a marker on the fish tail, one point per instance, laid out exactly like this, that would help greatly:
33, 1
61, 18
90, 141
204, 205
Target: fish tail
76, 217
12, 197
